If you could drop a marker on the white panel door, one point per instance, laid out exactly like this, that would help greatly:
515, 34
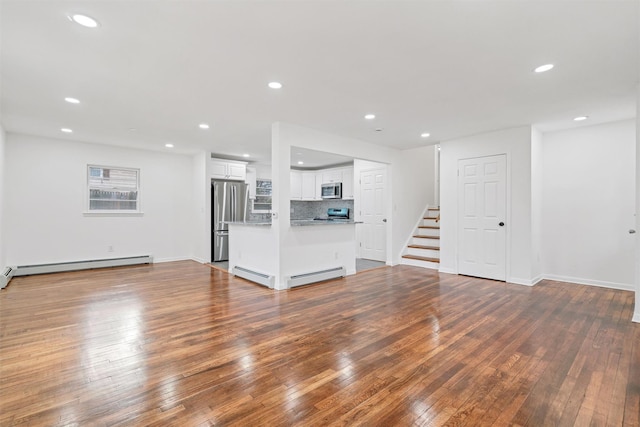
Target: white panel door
373, 237
481, 217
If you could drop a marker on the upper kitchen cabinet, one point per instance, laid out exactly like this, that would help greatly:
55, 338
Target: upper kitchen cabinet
305, 185
296, 185
227, 169
347, 183
311, 186
330, 176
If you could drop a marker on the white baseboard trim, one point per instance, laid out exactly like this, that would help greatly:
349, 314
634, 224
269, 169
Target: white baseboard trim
636, 317
589, 282
172, 259
518, 281
447, 270
200, 260
525, 282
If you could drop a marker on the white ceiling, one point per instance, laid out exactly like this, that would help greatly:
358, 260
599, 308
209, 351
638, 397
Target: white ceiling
450, 68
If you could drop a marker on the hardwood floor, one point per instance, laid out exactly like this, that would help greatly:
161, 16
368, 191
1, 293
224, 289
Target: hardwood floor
181, 344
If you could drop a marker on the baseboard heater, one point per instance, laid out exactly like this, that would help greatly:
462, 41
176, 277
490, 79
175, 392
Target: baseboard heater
6, 276
316, 276
254, 276
26, 270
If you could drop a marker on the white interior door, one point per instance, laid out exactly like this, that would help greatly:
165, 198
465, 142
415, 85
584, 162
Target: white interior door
373, 243
481, 217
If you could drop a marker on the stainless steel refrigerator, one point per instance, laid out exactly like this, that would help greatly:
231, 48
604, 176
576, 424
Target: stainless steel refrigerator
229, 203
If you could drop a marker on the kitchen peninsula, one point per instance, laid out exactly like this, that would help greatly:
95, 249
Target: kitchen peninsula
310, 248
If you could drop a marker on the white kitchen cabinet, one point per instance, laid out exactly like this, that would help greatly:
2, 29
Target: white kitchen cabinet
226, 169
309, 188
296, 185
347, 183
331, 175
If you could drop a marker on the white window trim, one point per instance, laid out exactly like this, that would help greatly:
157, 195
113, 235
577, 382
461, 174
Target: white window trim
112, 212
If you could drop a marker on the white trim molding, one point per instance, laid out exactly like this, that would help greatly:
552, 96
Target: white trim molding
524, 282
589, 282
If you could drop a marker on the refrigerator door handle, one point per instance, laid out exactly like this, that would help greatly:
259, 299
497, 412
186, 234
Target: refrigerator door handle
246, 205
233, 203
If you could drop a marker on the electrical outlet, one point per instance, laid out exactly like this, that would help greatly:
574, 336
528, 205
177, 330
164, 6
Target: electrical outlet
110, 248
336, 255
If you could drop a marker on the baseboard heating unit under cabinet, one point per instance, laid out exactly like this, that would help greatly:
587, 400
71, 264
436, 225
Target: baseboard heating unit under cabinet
316, 276
6, 276
254, 276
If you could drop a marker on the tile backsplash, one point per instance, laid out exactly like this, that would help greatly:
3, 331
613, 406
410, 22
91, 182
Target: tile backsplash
310, 210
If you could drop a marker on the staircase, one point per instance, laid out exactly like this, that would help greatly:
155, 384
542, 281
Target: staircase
424, 248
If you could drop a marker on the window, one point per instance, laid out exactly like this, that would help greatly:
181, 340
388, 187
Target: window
262, 202
113, 189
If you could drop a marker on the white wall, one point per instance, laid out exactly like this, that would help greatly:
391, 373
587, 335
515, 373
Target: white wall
45, 201
636, 315
262, 171
537, 174
2, 181
589, 204
516, 144
201, 187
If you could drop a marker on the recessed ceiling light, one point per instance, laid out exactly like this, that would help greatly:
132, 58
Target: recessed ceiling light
72, 100
425, 135
300, 162
580, 118
543, 68
66, 130
168, 145
84, 20
203, 126
245, 155
370, 116
275, 85
132, 129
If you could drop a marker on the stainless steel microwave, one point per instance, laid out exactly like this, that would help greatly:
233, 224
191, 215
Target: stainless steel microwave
332, 190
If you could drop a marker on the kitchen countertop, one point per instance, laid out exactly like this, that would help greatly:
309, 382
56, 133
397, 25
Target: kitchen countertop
253, 223
308, 222
297, 222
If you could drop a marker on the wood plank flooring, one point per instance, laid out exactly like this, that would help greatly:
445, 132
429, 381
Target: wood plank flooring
182, 344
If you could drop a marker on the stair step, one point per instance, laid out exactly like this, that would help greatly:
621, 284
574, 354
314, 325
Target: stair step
421, 258
427, 237
430, 217
433, 227
433, 248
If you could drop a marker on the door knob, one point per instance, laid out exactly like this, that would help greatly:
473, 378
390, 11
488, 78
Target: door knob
384, 220
632, 231
501, 224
